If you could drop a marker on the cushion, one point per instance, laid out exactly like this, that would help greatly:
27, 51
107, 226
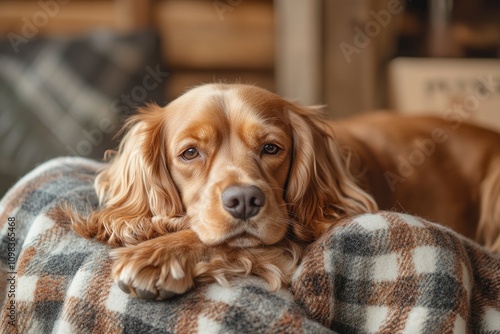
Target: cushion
383, 272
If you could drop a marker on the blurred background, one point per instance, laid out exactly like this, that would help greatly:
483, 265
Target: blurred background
71, 70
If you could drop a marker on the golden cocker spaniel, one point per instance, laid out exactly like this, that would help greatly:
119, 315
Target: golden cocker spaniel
230, 180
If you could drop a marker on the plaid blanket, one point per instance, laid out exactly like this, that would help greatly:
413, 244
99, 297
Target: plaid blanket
65, 96
375, 273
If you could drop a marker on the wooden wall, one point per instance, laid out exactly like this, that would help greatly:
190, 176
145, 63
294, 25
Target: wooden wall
203, 40
291, 47
204, 43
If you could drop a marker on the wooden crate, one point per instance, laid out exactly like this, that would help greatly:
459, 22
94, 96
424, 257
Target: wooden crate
458, 90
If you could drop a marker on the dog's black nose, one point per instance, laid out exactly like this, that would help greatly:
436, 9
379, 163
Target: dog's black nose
243, 202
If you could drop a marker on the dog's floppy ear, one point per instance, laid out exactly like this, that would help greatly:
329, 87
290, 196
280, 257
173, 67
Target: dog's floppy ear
137, 196
320, 188
488, 231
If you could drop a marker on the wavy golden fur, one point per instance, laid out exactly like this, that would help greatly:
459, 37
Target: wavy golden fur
167, 211
171, 197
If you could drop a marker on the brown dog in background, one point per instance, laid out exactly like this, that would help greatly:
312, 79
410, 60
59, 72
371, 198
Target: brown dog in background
229, 180
446, 172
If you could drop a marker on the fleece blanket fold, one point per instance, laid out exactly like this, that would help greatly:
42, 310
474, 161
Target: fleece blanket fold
375, 273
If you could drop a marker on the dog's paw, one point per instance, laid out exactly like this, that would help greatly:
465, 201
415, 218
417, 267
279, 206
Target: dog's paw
153, 270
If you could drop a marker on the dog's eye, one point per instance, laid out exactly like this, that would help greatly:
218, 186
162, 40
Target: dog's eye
270, 149
190, 154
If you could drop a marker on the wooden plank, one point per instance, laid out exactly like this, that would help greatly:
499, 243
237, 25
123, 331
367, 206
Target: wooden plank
196, 35
133, 14
348, 81
298, 50
355, 56
29, 18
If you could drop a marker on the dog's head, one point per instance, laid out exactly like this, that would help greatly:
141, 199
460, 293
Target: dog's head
235, 163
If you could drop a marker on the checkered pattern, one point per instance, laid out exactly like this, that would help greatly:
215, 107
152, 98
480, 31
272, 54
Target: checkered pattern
379, 273
394, 273
64, 96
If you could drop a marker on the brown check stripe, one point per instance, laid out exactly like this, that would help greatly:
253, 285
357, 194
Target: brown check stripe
376, 273
394, 273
